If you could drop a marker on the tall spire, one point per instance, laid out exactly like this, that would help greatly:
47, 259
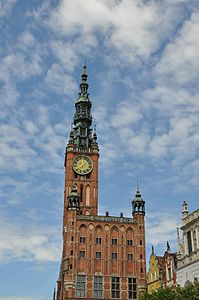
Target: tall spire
81, 132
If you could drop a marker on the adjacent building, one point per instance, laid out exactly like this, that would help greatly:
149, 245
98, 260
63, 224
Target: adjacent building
103, 255
188, 247
162, 270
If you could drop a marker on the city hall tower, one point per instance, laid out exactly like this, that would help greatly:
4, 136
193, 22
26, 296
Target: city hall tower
103, 256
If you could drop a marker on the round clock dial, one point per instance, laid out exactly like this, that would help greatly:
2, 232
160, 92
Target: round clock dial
82, 165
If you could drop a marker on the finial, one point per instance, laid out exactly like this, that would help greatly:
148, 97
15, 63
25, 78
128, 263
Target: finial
84, 79
94, 141
152, 249
138, 188
168, 246
84, 69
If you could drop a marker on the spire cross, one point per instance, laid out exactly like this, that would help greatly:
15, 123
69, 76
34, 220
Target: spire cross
138, 184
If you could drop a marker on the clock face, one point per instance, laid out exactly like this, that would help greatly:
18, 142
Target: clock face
82, 165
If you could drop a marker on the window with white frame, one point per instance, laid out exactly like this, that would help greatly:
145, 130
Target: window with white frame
81, 286
115, 287
132, 288
114, 255
82, 239
129, 256
98, 287
114, 241
98, 240
130, 242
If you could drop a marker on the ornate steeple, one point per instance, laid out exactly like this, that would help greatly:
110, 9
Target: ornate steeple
138, 204
81, 133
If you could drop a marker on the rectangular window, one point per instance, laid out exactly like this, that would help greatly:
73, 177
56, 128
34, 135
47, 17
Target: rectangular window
115, 287
82, 239
130, 242
98, 240
98, 286
189, 242
81, 286
114, 241
130, 256
82, 254
169, 273
114, 255
98, 255
132, 288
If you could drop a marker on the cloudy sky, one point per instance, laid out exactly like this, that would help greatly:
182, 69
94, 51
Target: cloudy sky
143, 67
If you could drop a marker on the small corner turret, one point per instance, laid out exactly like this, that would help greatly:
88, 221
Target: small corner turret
138, 204
185, 211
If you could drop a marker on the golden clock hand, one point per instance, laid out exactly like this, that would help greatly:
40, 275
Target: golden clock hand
81, 165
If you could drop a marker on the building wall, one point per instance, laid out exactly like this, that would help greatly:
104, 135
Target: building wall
188, 248
188, 274
124, 239
170, 265
162, 271
153, 277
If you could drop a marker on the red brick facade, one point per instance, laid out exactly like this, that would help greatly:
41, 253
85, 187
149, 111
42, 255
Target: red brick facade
103, 256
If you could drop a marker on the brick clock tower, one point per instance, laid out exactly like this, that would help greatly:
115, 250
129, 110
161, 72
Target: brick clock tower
103, 256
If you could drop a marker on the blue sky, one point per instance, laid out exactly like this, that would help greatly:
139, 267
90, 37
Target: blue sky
143, 69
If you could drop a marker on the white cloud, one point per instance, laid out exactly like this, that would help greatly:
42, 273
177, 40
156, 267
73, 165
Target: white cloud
68, 53
6, 7
180, 60
23, 139
26, 243
60, 82
26, 41
15, 151
161, 227
125, 116
9, 96
20, 66
135, 29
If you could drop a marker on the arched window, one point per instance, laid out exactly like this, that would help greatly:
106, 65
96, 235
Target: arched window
88, 192
81, 193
